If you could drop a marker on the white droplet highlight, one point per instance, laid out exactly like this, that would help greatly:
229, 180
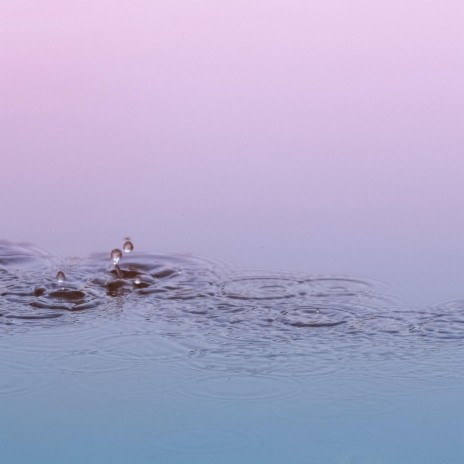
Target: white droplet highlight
128, 246
60, 277
116, 255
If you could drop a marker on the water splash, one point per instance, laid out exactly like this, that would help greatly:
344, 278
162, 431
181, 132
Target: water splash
116, 256
60, 277
221, 316
128, 246
119, 272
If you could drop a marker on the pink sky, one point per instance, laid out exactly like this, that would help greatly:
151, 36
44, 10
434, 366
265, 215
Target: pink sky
321, 132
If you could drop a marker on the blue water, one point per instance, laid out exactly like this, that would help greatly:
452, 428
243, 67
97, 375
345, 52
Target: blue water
180, 359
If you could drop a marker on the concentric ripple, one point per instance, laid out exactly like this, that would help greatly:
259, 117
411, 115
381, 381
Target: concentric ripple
19, 379
282, 287
444, 322
259, 288
240, 387
17, 256
160, 308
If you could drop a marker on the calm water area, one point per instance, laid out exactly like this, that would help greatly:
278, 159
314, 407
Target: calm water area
290, 175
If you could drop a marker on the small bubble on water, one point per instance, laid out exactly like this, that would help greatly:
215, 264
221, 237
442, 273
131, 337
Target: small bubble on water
116, 255
138, 280
128, 246
60, 277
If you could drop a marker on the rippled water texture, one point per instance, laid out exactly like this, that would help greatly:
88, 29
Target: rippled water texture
218, 313
191, 331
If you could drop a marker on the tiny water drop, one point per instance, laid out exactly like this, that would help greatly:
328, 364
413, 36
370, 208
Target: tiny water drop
128, 246
60, 277
116, 255
138, 280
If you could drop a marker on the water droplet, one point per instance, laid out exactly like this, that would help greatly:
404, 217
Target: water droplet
116, 255
138, 280
60, 277
128, 246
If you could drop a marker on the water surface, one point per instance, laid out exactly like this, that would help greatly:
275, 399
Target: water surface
175, 357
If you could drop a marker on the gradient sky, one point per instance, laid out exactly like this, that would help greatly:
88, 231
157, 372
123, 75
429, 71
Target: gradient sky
317, 135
